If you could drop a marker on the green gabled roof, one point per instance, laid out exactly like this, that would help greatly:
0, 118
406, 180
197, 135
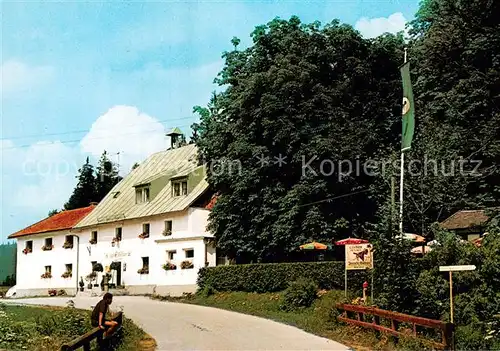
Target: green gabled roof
159, 168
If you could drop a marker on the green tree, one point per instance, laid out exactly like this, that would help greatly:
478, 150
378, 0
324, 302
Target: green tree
307, 93
53, 212
455, 50
106, 176
85, 190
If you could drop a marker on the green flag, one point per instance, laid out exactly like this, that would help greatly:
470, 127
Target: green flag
408, 109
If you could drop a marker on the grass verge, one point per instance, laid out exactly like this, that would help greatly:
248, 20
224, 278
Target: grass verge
319, 319
47, 328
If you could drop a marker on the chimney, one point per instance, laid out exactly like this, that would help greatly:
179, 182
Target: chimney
175, 137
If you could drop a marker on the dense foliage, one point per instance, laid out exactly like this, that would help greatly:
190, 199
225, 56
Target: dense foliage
305, 91
455, 50
272, 277
8, 254
301, 293
93, 185
38, 328
477, 293
418, 287
23, 327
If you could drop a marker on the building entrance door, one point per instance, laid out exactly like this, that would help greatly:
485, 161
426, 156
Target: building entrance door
119, 275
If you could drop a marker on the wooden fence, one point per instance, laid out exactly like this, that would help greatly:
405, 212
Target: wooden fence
96, 333
389, 322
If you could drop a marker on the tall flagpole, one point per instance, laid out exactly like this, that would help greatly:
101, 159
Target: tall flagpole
401, 182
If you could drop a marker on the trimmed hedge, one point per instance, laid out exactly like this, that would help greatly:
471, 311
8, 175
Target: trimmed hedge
271, 277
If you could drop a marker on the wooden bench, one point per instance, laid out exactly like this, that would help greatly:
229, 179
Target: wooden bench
362, 314
94, 334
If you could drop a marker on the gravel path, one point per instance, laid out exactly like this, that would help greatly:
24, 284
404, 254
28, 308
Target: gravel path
177, 326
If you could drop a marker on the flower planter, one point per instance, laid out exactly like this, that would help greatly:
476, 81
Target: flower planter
66, 275
46, 275
167, 232
47, 247
27, 251
143, 236
187, 265
67, 245
169, 266
144, 270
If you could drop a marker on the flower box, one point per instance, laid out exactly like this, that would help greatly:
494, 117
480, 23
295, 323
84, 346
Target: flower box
47, 247
167, 232
46, 275
92, 242
27, 251
187, 265
169, 266
67, 245
67, 275
115, 240
143, 270
143, 235
52, 292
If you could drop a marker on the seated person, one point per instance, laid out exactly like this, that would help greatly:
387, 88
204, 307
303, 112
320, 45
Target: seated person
98, 318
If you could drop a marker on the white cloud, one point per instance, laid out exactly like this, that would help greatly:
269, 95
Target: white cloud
373, 27
17, 76
47, 170
125, 130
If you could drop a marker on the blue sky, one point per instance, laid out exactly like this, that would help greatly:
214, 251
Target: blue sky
80, 77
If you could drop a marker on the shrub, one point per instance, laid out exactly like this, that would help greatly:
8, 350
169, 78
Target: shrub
300, 293
206, 291
271, 277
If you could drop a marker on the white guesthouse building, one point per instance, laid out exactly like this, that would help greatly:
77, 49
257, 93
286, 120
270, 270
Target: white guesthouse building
149, 233
46, 251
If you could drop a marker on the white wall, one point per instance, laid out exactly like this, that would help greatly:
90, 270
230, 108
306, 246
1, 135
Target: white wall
31, 266
198, 221
185, 225
187, 228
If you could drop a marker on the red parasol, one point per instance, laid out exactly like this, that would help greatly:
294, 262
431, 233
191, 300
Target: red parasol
351, 241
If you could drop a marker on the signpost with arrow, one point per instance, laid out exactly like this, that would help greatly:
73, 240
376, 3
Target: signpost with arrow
451, 269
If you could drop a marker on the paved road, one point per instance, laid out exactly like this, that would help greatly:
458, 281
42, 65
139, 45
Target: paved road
177, 326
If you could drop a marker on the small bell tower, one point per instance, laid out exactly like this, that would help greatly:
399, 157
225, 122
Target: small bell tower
175, 138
